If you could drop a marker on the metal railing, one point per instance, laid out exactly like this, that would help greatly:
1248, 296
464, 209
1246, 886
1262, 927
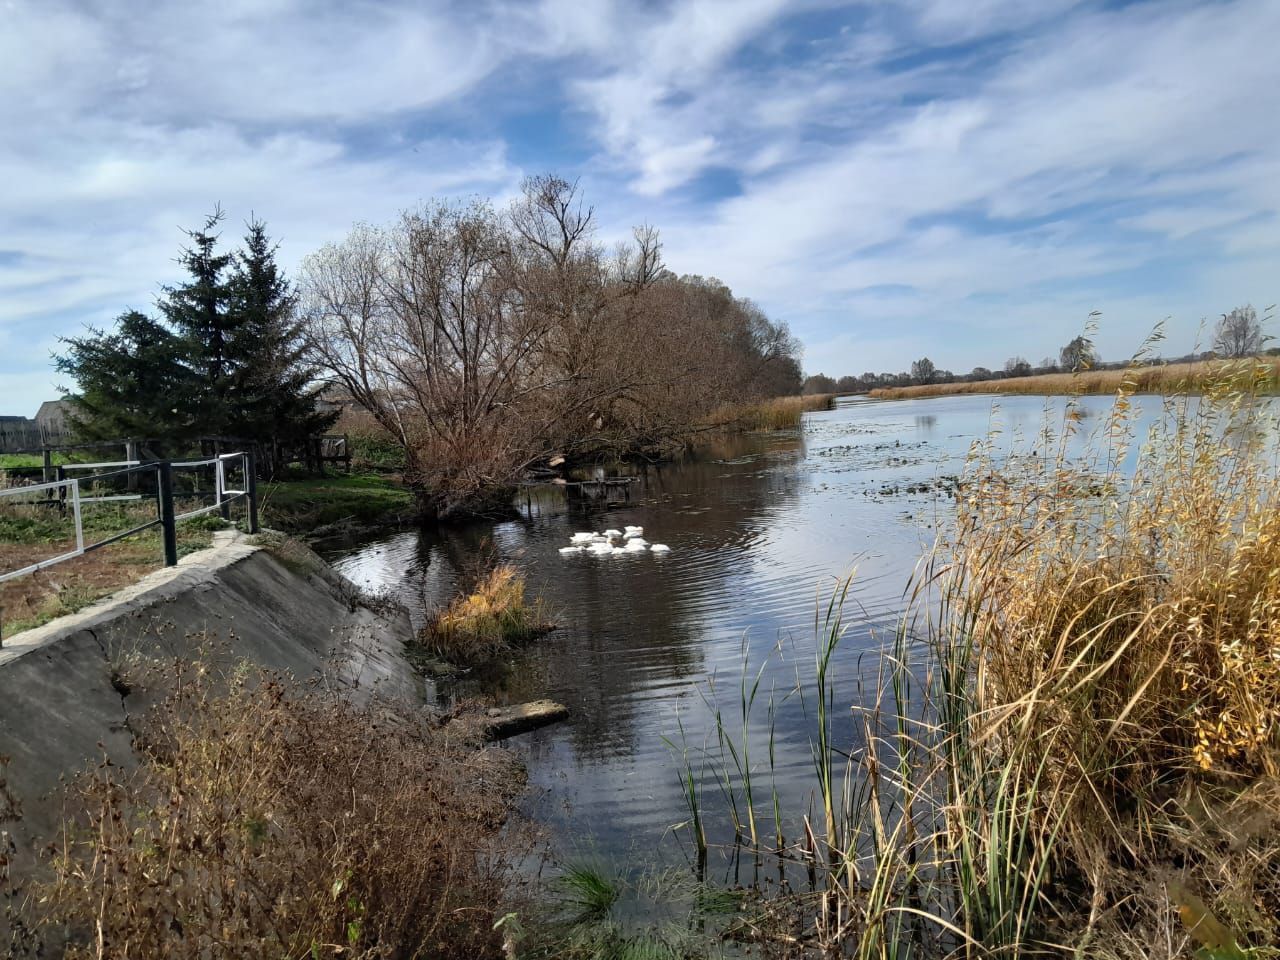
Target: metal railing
66, 492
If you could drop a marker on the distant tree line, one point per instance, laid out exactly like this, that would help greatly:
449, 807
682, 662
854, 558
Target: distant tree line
1237, 334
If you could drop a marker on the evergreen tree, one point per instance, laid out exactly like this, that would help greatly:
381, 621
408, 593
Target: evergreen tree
198, 313
226, 358
274, 389
129, 381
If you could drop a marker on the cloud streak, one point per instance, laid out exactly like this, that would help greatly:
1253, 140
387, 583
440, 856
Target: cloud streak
943, 177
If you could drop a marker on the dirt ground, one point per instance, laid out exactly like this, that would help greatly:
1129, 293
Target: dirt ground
63, 588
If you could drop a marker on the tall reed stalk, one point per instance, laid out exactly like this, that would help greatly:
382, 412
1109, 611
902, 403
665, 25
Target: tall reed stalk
1074, 737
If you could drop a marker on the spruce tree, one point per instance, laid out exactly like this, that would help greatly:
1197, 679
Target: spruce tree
274, 387
226, 359
130, 381
198, 313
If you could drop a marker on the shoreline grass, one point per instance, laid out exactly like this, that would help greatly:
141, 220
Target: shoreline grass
1172, 378
1073, 745
308, 504
778, 413
486, 621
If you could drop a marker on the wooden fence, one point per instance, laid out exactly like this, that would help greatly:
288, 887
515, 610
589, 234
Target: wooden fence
18, 435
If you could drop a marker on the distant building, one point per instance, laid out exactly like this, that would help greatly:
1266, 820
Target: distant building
51, 418
18, 433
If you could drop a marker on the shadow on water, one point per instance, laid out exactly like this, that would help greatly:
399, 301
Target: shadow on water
761, 527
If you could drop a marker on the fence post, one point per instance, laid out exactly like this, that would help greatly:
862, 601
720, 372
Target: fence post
224, 502
168, 523
48, 465
131, 453
251, 488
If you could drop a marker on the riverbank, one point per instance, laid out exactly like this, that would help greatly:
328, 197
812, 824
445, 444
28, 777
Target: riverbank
1072, 746
71, 686
1157, 378
307, 506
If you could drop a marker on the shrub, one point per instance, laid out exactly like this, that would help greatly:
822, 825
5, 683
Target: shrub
488, 620
266, 822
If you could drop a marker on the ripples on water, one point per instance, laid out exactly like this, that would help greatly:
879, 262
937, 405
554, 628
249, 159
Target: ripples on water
760, 528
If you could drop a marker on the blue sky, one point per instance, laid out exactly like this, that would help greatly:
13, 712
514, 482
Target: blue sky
962, 179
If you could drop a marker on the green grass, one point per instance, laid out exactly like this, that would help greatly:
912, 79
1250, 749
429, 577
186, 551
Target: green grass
588, 890
301, 505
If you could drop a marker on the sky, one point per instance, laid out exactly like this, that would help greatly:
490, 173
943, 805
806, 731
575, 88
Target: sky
960, 179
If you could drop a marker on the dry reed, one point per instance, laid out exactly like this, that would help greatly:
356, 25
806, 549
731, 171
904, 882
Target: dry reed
779, 413
487, 620
1073, 747
1170, 378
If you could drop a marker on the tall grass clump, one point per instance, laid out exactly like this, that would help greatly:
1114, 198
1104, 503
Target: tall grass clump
780, 413
487, 620
1121, 643
1072, 746
267, 822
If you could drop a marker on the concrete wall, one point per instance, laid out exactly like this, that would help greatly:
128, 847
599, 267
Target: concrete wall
68, 690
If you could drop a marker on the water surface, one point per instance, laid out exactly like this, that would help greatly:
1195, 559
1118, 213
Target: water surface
761, 528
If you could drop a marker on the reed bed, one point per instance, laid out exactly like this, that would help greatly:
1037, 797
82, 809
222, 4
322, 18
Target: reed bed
1168, 378
488, 620
1072, 747
780, 413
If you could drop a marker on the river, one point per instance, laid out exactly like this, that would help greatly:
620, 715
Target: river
761, 527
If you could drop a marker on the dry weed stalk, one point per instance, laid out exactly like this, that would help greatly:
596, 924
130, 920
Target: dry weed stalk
267, 822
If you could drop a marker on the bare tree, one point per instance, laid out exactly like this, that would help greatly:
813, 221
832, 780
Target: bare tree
487, 341
1079, 354
923, 370
1238, 333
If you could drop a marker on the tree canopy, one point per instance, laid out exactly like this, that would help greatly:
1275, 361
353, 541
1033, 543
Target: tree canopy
223, 358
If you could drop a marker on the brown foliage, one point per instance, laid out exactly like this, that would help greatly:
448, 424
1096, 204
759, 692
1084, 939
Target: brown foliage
486, 341
270, 823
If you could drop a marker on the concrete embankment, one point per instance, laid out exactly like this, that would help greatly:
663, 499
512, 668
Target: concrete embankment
71, 690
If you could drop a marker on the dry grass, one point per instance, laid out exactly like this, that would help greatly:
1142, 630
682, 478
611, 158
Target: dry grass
266, 822
488, 620
1123, 639
780, 413
32, 533
1171, 378
1073, 748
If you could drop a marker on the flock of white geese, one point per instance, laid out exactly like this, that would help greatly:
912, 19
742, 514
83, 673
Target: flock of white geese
606, 544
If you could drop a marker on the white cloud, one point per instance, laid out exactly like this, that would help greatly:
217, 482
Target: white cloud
961, 179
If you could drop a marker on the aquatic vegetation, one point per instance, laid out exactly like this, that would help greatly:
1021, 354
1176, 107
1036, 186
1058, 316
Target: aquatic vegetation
1074, 739
491, 617
589, 889
780, 413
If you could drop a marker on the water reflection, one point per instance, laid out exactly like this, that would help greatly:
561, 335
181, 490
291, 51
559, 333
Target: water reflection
760, 528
